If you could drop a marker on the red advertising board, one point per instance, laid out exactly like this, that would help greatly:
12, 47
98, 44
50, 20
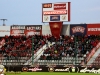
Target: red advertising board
17, 30
56, 28
33, 29
26, 30
60, 6
93, 29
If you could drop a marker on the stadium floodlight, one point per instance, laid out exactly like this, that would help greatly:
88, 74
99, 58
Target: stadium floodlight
3, 21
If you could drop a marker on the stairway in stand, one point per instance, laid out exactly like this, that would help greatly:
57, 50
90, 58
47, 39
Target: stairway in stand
94, 53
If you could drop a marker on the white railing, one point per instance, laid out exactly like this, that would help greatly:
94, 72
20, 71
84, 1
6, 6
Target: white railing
38, 54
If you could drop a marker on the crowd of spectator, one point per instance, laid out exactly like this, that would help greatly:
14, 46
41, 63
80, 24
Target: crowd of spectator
70, 46
21, 46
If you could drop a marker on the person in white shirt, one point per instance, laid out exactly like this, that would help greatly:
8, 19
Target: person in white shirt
2, 70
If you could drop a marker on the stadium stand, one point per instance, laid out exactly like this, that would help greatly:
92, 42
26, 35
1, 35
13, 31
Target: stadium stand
96, 61
18, 49
64, 50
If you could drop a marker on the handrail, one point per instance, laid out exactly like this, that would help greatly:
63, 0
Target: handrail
89, 55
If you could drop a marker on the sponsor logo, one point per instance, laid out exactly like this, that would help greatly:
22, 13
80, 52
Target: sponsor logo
33, 33
24, 69
54, 18
85, 70
17, 31
17, 27
48, 5
50, 69
74, 69
35, 69
59, 6
55, 25
46, 18
93, 29
78, 29
34, 28
54, 12
17, 34
59, 70
63, 17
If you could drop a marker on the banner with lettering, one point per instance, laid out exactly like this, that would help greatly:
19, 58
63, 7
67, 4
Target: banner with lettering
33, 29
93, 29
68, 69
4, 30
17, 30
56, 28
78, 29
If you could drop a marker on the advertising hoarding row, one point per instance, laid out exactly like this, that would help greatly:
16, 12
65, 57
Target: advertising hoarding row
72, 69
26, 30
20, 30
85, 29
71, 29
62, 69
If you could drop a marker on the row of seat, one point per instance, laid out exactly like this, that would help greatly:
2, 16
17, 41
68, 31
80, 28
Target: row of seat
70, 47
10, 64
12, 61
13, 58
69, 58
96, 62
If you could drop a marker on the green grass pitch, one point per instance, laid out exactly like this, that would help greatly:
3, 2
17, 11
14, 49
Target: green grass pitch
49, 73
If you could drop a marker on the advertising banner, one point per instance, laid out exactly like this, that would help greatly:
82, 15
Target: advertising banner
73, 69
33, 29
78, 29
56, 28
89, 70
63, 69
4, 30
93, 29
17, 30
55, 18
33, 69
50, 69
51, 10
